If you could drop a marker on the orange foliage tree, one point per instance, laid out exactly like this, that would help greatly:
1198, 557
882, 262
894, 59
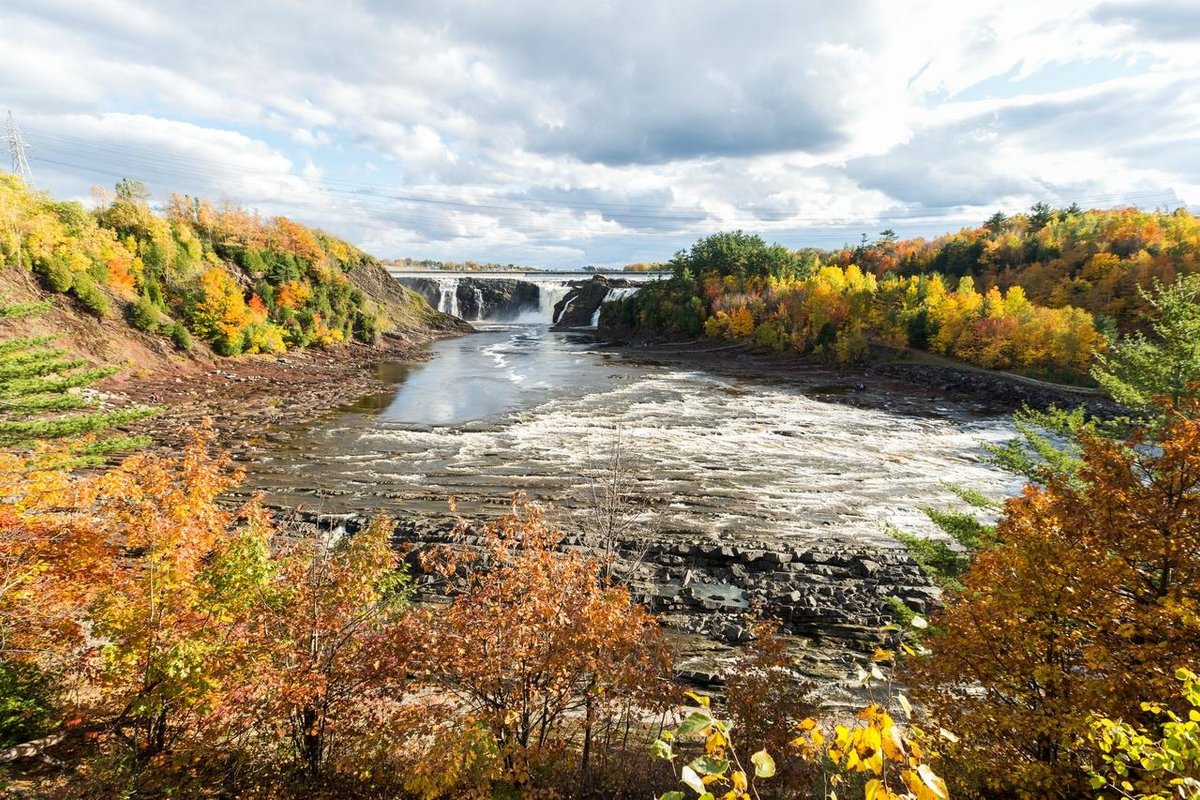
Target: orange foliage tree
333, 642
221, 313
1089, 604
540, 649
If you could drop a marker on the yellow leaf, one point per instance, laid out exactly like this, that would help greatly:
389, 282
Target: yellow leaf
935, 785
764, 765
739, 780
893, 743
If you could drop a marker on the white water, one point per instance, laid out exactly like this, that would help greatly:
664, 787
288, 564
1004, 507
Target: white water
523, 408
549, 293
448, 302
620, 293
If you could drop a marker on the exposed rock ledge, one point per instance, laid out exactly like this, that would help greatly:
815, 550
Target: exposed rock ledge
835, 595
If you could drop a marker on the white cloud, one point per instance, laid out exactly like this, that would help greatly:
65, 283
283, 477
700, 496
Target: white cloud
574, 133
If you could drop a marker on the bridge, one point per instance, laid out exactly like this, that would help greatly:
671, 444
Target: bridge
525, 275
526, 296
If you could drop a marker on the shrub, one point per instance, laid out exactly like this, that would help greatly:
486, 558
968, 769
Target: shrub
26, 703
367, 328
56, 273
90, 296
142, 314
180, 336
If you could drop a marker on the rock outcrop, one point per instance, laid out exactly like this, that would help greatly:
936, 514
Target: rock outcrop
835, 595
578, 309
477, 298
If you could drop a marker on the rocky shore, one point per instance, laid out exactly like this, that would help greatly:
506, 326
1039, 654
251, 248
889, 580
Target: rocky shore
246, 398
834, 599
924, 375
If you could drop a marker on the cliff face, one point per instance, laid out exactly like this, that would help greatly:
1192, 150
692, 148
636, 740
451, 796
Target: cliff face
410, 314
476, 298
580, 307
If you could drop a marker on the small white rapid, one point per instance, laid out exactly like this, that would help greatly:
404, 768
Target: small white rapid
520, 407
620, 293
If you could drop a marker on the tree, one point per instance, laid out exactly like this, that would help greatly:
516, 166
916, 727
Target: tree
1087, 604
996, 222
769, 701
1040, 215
220, 315
538, 647
1140, 369
164, 620
40, 397
333, 639
736, 253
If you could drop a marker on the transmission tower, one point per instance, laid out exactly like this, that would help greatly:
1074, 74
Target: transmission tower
16, 149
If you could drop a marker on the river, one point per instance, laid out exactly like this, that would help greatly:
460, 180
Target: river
705, 455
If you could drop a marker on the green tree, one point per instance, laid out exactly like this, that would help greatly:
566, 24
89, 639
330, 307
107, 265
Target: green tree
735, 253
1040, 215
41, 395
1139, 369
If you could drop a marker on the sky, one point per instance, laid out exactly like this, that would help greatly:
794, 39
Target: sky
611, 131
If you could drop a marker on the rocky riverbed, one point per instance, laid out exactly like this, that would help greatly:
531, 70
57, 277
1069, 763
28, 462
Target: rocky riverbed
743, 485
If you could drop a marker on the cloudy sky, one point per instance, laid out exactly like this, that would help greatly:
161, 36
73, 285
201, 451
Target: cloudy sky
602, 132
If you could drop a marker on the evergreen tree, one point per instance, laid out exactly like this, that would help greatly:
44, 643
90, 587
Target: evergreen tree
42, 396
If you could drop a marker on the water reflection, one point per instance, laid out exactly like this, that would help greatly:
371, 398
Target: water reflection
502, 369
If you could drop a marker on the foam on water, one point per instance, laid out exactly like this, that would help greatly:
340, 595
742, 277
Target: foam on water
714, 456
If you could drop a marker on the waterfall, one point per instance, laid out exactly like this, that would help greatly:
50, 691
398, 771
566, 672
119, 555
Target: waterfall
478, 304
621, 293
613, 294
448, 301
549, 293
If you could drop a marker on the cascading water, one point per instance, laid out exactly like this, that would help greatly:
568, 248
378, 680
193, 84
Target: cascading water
613, 294
478, 304
549, 293
448, 299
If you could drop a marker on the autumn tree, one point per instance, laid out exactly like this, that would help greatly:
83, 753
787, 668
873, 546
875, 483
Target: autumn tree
333, 640
540, 649
768, 700
163, 616
1088, 604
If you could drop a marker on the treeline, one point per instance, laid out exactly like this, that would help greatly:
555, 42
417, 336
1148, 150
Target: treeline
241, 283
733, 286
1096, 260
455, 266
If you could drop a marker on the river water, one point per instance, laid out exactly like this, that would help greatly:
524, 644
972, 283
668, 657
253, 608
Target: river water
707, 455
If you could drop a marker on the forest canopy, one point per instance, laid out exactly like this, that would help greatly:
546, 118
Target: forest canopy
240, 282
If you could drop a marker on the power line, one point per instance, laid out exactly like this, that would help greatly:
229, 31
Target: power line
140, 158
430, 205
16, 149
